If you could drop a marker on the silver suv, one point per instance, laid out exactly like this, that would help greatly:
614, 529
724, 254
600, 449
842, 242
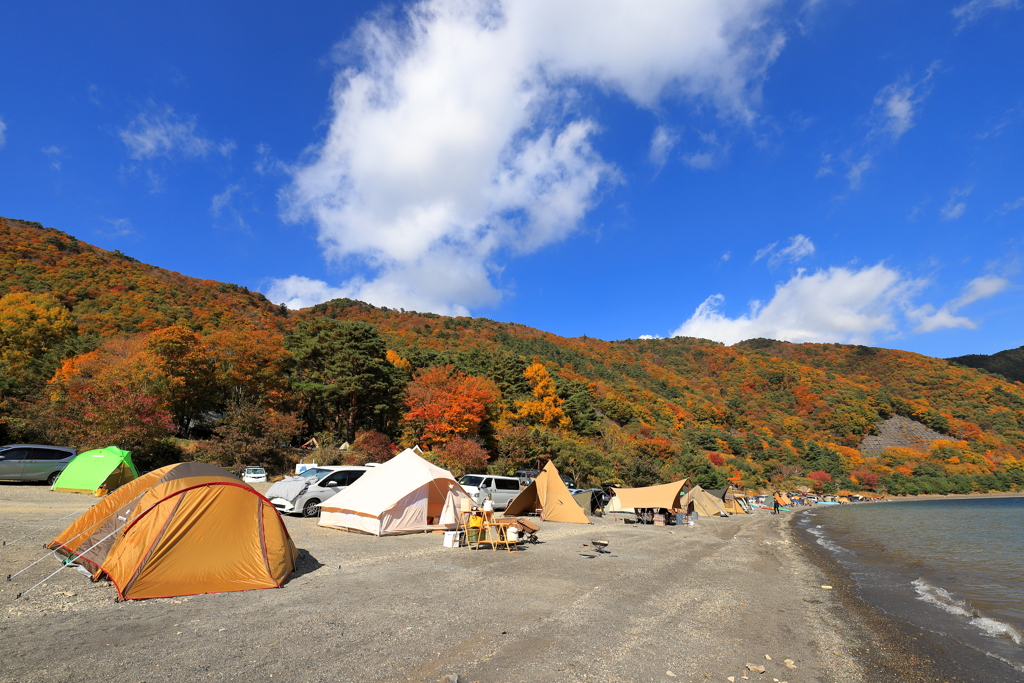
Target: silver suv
31, 462
501, 490
303, 494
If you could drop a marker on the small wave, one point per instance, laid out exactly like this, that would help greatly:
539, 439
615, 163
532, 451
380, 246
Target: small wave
997, 629
942, 599
825, 543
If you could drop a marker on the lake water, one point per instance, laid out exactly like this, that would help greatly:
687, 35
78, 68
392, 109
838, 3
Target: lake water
953, 567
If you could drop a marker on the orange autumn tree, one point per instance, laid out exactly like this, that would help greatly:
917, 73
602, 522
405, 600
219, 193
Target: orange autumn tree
444, 402
546, 407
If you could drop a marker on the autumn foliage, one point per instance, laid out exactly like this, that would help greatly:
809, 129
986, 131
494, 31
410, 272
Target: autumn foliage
97, 349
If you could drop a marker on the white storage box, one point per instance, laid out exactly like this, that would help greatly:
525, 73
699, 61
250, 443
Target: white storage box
452, 539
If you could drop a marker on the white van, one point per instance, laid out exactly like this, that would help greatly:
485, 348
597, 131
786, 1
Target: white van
501, 490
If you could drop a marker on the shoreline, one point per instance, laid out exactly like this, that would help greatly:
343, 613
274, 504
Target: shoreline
894, 649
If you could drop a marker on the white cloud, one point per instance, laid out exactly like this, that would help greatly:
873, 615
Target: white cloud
895, 104
119, 227
975, 9
826, 166
799, 246
929, 319
3, 133
158, 131
55, 153
701, 160
455, 134
1010, 206
834, 305
223, 199
765, 251
839, 305
857, 169
662, 142
955, 209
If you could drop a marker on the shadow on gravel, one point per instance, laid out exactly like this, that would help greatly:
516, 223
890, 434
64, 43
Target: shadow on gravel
307, 564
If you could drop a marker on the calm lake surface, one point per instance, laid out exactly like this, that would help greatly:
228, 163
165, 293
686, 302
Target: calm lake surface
953, 567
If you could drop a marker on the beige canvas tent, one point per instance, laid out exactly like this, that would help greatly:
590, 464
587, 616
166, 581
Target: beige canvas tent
703, 502
661, 496
548, 495
405, 495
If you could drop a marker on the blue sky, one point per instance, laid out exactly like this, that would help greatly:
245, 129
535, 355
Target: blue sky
820, 170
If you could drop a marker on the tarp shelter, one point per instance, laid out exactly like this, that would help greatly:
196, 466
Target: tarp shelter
549, 495
703, 502
655, 497
183, 529
405, 495
97, 471
783, 499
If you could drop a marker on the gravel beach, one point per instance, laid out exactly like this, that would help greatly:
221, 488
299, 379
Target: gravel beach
667, 603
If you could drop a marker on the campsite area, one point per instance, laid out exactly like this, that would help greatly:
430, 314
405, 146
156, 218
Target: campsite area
698, 602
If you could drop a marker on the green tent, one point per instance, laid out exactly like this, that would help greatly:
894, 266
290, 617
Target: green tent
98, 471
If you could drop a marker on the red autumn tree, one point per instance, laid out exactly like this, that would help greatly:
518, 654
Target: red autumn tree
444, 403
460, 455
820, 478
377, 447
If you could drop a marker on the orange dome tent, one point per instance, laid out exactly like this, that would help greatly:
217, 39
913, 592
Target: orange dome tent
183, 529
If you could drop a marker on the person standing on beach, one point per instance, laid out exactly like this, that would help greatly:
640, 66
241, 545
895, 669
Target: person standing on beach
775, 509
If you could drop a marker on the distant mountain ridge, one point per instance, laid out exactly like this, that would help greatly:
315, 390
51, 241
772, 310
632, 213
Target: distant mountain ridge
1009, 363
640, 411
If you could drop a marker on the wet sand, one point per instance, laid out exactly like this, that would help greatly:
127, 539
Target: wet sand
667, 604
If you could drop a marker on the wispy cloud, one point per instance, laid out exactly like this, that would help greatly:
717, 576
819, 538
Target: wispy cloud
955, 208
3, 133
119, 227
55, 153
975, 9
1010, 206
799, 247
896, 104
159, 131
456, 136
662, 142
224, 203
713, 151
825, 167
856, 172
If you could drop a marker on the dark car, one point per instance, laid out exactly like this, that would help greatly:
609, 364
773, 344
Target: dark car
32, 462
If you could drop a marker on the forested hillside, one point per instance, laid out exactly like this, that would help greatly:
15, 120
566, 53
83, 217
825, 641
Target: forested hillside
98, 348
1009, 363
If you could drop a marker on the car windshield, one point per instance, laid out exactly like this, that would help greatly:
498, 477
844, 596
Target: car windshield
471, 480
315, 472
255, 470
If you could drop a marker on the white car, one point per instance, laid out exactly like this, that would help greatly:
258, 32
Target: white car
304, 493
254, 475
